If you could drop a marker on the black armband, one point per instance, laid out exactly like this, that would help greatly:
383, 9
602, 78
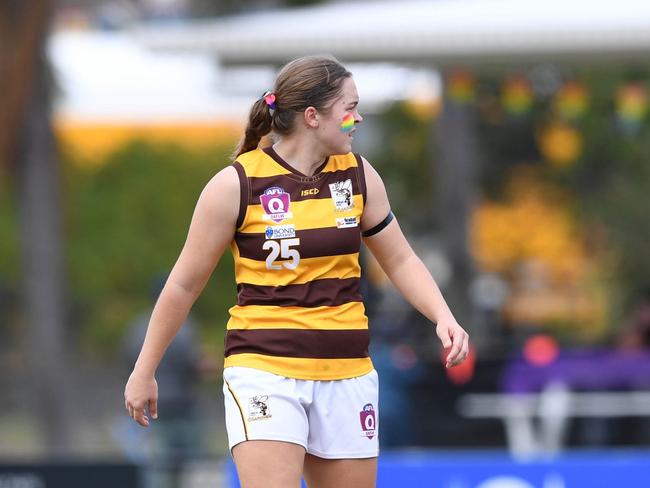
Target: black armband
380, 226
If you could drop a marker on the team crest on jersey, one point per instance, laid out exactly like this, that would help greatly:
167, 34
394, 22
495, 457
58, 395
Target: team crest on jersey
368, 421
342, 194
258, 408
275, 202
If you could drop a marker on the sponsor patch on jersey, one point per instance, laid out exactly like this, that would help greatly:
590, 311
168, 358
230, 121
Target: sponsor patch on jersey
342, 195
310, 191
258, 408
368, 421
345, 222
275, 202
280, 231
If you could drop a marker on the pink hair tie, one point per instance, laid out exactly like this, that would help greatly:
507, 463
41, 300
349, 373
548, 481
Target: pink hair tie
269, 98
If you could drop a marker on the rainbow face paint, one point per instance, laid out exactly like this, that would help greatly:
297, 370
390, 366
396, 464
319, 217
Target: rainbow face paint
348, 123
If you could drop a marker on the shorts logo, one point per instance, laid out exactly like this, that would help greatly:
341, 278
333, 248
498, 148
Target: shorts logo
258, 408
275, 202
368, 420
280, 231
342, 195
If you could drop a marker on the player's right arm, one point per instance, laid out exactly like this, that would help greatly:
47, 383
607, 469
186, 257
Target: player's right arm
406, 270
211, 231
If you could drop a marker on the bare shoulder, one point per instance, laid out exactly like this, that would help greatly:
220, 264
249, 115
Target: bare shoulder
374, 184
369, 170
220, 197
377, 205
226, 181
211, 230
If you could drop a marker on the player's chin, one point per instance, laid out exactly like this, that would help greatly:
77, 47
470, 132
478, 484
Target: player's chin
347, 145
341, 145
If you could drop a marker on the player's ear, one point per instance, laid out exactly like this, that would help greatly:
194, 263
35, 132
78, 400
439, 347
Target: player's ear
311, 117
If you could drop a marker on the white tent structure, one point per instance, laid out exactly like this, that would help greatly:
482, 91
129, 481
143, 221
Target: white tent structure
431, 31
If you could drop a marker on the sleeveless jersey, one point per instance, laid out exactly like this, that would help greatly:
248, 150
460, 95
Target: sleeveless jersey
299, 312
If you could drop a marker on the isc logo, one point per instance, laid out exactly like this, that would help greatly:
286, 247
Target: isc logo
311, 191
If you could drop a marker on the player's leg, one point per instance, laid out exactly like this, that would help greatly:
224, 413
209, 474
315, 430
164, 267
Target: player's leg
340, 473
342, 446
269, 464
267, 427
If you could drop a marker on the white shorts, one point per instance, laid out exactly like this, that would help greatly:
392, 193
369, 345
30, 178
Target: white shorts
331, 419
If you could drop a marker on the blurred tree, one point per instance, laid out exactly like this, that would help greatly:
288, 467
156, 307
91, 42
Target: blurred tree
457, 171
612, 180
128, 217
27, 141
605, 173
403, 159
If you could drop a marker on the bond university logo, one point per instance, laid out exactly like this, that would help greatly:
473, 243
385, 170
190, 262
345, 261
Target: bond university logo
280, 231
258, 408
368, 421
275, 202
342, 195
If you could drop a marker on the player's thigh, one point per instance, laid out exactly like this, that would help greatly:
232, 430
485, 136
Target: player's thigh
340, 473
269, 464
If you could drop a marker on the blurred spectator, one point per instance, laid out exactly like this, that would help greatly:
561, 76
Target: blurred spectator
175, 437
400, 370
635, 333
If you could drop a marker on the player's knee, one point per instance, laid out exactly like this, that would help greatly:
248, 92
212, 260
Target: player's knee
268, 464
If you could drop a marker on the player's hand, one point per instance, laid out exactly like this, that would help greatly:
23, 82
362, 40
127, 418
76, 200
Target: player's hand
141, 392
454, 338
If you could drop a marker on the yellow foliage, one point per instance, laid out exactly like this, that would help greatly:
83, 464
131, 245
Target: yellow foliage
560, 144
530, 225
532, 240
94, 140
424, 110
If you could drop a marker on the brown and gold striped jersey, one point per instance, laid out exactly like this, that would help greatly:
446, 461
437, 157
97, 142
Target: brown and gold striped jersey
299, 312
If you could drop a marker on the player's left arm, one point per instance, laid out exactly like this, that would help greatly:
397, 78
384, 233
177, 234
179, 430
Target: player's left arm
405, 269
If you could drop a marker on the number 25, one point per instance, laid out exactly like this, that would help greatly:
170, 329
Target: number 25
282, 249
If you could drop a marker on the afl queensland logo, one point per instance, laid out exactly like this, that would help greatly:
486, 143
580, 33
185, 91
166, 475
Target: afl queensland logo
368, 421
275, 202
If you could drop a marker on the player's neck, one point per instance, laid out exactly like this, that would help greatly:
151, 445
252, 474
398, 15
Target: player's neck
300, 154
